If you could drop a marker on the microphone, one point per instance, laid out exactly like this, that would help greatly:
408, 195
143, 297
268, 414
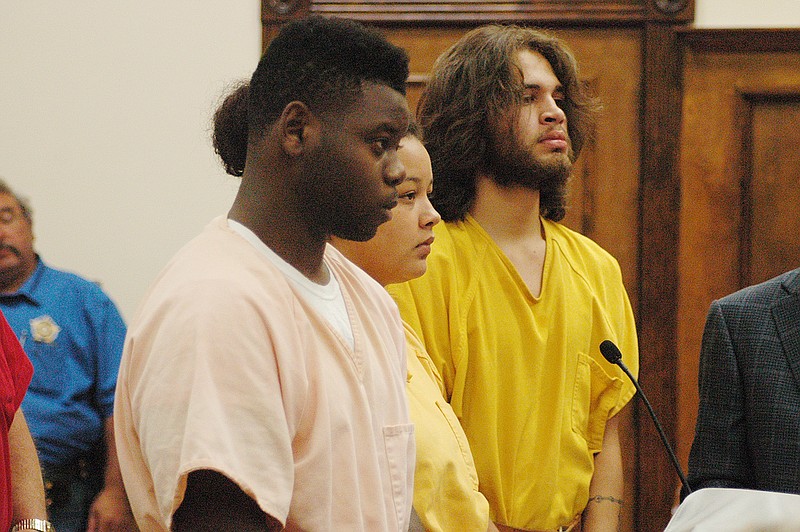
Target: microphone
612, 354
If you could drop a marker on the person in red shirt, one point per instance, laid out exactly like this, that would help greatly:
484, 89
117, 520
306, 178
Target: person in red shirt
21, 488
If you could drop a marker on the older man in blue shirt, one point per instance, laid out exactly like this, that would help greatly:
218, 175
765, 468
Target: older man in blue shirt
73, 334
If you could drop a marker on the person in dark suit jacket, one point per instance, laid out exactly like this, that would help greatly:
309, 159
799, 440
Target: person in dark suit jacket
748, 425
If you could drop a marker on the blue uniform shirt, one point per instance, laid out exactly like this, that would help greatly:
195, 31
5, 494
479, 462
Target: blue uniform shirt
73, 334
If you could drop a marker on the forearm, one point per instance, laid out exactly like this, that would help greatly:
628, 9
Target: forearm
28, 500
112, 474
602, 512
111, 510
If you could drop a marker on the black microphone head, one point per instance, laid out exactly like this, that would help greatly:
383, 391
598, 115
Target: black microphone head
610, 351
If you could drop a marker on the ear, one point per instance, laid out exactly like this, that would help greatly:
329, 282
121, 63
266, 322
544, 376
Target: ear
298, 128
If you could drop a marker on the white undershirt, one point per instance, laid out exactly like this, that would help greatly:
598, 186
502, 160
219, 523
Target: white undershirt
326, 299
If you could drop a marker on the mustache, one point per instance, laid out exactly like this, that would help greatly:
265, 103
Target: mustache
554, 131
9, 247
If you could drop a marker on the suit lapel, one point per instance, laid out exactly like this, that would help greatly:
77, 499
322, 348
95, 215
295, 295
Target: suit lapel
786, 313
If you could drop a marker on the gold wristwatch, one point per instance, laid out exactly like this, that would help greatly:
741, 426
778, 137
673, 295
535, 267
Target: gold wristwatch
38, 525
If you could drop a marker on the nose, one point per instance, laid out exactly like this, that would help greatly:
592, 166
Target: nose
395, 171
430, 216
552, 113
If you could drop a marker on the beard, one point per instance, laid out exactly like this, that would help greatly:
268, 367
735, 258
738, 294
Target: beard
516, 165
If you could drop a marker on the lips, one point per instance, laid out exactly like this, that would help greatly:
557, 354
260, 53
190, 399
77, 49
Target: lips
7, 248
555, 139
424, 248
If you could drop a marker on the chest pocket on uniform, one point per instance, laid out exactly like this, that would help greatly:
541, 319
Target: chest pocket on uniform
399, 444
49, 366
42, 350
595, 394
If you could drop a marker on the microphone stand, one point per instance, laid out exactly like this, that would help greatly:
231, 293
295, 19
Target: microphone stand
612, 354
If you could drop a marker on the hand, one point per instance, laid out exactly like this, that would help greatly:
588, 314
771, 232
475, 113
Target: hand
111, 512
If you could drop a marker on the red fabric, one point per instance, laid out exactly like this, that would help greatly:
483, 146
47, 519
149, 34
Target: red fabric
15, 375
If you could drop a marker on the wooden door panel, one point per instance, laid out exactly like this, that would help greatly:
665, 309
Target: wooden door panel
773, 192
740, 182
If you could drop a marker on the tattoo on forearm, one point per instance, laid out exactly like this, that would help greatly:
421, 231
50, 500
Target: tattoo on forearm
606, 498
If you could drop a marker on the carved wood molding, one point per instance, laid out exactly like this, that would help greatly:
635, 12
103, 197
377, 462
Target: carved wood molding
473, 12
282, 8
476, 12
741, 39
671, 7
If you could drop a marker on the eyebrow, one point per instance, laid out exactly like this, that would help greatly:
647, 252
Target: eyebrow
389, 124
388, 128
536, 86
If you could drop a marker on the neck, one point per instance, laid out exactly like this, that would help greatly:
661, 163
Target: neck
507, 212
363, 255
262, 205
12, 281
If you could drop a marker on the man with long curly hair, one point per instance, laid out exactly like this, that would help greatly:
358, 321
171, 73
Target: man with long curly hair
514, 305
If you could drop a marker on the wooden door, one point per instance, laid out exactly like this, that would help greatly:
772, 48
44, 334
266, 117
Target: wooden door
740, 180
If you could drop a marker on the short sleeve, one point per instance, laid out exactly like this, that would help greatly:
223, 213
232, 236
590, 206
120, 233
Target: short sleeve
211, 374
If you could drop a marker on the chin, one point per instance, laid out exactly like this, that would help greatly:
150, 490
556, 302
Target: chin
418, 271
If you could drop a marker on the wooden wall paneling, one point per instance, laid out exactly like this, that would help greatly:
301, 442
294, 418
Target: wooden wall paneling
623, 196
742, 123
709, 221
474, 12
605, 189
659, 214
739, 40
470, 13
274, 13
604, 192
739, 168
423, 44
770, 243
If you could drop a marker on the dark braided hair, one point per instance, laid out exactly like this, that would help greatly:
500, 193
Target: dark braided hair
230, 130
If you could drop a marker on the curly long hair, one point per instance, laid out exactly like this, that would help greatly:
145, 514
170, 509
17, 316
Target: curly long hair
474, 85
